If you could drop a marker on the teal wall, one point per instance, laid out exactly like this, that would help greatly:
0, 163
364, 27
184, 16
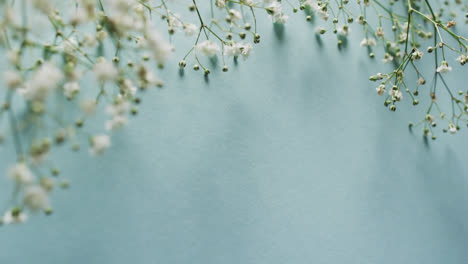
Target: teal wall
288, 158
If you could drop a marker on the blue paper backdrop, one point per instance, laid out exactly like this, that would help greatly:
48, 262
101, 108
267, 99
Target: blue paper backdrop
288, 158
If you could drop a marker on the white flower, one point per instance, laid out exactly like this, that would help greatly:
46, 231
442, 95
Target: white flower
69, 45
14, 218
35, 198
208, 48
452, 128
246, 50
116, 122
322, 13
344, 30
104, 70
234, 14
387, 58
378, 76
20, 173
276, 12
139, 9
160, 48
429, 118
416, 55
99, 144
119, 108
380, 32
403, 36
174, 21
221, 3
190, 29
281, 19
380, 89
444, 68
396, 94
12, 79
320, 30
71, 89
231, 50
462, 59
237, 49
128, 88
122, 21
368, 42
274, 8
46, 78
101, 35
118, 112
421, 81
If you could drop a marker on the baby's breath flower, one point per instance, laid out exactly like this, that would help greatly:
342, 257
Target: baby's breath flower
46, 78
118, 112
234, 14
396, 94
344, 30
208, 48
14, 216
462, 59
160, 48
452, 128
387, 58
105, 70
70, 89
320, 30
444, 67
221, 3
421, 81
35, 198
20, 173
99, 144
190, 29
380, 32
416, 55
380, 89
368, 42
275, 10
237, 49
174, 21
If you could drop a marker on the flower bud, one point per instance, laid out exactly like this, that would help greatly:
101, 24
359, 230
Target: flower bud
182, 64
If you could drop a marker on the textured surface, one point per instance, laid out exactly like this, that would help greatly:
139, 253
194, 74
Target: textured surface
289, 158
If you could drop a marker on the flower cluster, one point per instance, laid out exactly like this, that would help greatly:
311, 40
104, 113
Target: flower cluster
419, 30
48, 102
68, 60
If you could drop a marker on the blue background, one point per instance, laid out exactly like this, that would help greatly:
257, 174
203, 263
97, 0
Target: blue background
288, 158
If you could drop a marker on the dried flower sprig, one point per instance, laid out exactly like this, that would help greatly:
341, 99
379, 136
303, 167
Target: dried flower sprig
97, 55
